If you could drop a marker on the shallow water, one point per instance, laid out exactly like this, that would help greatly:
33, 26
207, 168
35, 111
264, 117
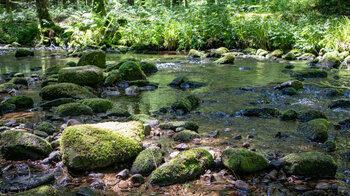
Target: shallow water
221, 99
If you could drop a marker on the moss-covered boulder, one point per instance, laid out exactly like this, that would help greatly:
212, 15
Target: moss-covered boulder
342, 103
186, 104
52, 70
7, 108
131, 70
119, 112
178, 81
260, 112
39, 191
147, 161
311, 164
19, 80
65, 90
296, 84
19, 145
73, 109
306, 56
195, 53
289, 56
56, 102
261, 52
276, 53
97, 58
84, 75
148, 67
23, 53
219, 52
307, 115
4, 88
243, 161
47, 128
92, 146
249, 51
21, 101
185, 166
112, 77
310, 73
98, 105
315, 130
228, 58
329, 146
289, 91
173, 125
330, 60
185, 136
289, 115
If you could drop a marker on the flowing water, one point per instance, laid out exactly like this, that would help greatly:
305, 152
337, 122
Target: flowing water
230, 88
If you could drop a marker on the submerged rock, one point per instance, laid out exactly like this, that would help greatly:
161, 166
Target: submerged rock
260, 112
147, 161
28, 181
119, 112
132, 90
340, 104
307, 115
243, 161
315, 130
310, 73
329, 146
186, 104
185, 136
289, 91
21, 101
47, 128
185, 166
92, 146
310, 164
23, 53
296, 84
65, 90
97, 58
82, 75
289, 56
98, 105
73, 109
19, 145
183, 82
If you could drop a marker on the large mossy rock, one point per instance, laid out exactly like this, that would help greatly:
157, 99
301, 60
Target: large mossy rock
131, 70
296, 84
52, 70
98, 105
195, 53
173, 125
92, 146
289, 56
185, 136
330, 60
19, 80
21, 101
186, 104
241, 160
7, 108
39, 191
19, 145
276, 53
249, 51
310, 73
310, 164
289, 115
307, 115
23, 53
65, 90
147, 161
46, 127
315, 130
219, 52
148, 67
73, 109
97, 58
185, 166
228, 58
260, 112
112, 77
85, 75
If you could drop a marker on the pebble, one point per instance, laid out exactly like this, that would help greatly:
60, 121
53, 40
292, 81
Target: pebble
123, 174
245, 145
181, 147
137, 180
123, 184
273, 174
322, 186
40, 133
240, 184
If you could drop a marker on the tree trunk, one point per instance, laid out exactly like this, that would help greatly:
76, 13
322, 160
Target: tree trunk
42, 9
99, 7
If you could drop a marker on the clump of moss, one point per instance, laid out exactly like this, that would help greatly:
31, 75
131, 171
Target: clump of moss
4, 88
7, 108
147, 161
65, 90
243, 161
98, 105
148, 68
195, 53
289, 115
329, 146
19, 80
185, 166
21, 101
219, 52
260, 112
249, 51
117, 111
112, 77
311, 164
330, 60
73, 109
130, 70
315, 130
97, 58
228, 58
55, 69
310, 73
186, 104
39, 191
47, 128
92, 146
307, 115
261, 52
289, 56
289, 91
185, 136
85, 75
277, 53
176, 124
23, 53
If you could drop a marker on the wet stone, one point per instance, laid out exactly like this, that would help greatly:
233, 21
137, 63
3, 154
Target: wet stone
181, 147
123, 174
323, 186
239, 184
123, 184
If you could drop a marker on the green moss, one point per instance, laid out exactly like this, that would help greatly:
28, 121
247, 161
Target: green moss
147, 161
71, 64
289, 91
148, 68
176, 124
311, 164
21, 101
65, 90
4, 88
315, 130
276, 53
289, 56
261, 52
310, 73
18, 145
186, 104
49, 81
342, 103
195, 53
228, 58
23, 53
47, 128
178, 81
73, 109
144, 118
185, 136
55, 69
220, 51
97, 58
85, 75
260, 112
249, 51
40, 191
117, 111
289, 115
307, 56
98, 105
112, 77
185, 166
243, 161
307, 115
19, 80
7, 108
131, 71
330, 60
92, 146
329, 146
